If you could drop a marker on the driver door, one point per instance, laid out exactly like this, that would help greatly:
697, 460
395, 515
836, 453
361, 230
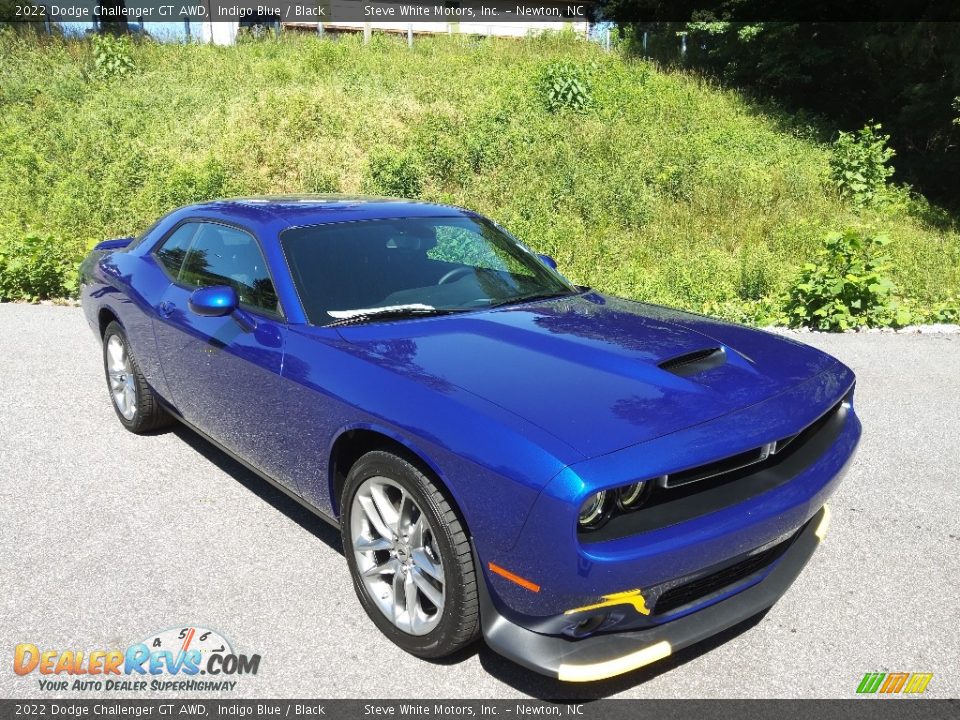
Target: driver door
224, 372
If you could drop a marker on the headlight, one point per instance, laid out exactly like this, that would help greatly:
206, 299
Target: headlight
601, 505
631, 497
594, 511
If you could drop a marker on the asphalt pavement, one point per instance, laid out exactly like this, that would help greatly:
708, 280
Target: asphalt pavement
107, 538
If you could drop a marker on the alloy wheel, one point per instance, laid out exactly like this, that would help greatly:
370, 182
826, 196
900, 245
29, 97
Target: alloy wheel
397, 555
123, 385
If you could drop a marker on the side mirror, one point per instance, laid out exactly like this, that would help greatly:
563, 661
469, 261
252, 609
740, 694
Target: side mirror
547, 260
213, 301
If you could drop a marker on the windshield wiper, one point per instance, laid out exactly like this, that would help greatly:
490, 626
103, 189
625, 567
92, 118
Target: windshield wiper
532, 297
393, 312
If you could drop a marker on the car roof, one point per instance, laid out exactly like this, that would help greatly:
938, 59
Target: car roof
300, 210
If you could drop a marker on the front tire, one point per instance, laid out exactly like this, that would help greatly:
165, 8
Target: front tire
409, 557
135, 402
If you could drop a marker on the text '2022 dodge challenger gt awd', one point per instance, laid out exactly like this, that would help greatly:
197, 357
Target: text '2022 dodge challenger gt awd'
588, 482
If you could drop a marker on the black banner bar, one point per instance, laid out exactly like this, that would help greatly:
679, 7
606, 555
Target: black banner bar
376, 11
855, 709
478, 11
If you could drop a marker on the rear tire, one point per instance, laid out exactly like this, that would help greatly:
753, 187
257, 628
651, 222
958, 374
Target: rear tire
135, 402
401, 536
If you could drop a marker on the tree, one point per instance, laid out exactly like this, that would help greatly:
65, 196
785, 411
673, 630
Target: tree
903, 74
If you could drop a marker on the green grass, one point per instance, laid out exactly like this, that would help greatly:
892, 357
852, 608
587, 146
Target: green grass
666, 188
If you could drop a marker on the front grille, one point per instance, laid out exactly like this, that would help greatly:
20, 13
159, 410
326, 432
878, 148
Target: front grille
680, 496
718, 467
744, 459
707, 585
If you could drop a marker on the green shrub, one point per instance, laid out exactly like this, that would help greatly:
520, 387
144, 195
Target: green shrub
944, 311
758, 276
34, 267
947, 311
762, 313
847, 287
860, 164
185, 183
566, 85
488, 137
441, 147
320, 180
666, 189
390, 172
111, 56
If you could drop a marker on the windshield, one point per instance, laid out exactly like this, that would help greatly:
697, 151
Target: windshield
382, 268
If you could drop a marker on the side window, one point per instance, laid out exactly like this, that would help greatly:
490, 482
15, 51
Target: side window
223, 255
174, 249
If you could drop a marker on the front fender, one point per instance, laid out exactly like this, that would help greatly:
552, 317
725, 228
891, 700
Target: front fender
492, 462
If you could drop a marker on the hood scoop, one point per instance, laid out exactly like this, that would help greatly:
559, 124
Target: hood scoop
695, 363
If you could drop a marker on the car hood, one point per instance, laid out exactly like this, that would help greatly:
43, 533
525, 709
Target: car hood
587, 368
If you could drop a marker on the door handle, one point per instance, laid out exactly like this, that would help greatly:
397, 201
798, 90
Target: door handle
165, 308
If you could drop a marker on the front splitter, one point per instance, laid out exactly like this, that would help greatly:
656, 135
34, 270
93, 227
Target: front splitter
603, 656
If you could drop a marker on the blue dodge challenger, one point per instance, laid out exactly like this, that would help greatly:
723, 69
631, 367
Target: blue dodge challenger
588, 482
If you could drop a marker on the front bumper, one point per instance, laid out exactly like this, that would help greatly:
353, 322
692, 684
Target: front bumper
606, 655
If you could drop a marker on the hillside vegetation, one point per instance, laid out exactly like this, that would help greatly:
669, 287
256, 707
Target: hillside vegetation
653, 185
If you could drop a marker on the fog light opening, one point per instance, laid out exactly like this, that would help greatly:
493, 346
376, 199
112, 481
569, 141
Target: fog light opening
587, 626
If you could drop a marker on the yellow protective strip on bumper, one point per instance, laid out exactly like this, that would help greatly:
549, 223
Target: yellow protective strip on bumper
617, 666
628, 597
821, 531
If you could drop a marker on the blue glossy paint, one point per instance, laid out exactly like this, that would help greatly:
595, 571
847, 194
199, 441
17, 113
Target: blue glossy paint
522, 411
545, 550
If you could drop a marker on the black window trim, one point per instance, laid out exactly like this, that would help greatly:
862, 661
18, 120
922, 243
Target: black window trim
281, 315
139, 239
